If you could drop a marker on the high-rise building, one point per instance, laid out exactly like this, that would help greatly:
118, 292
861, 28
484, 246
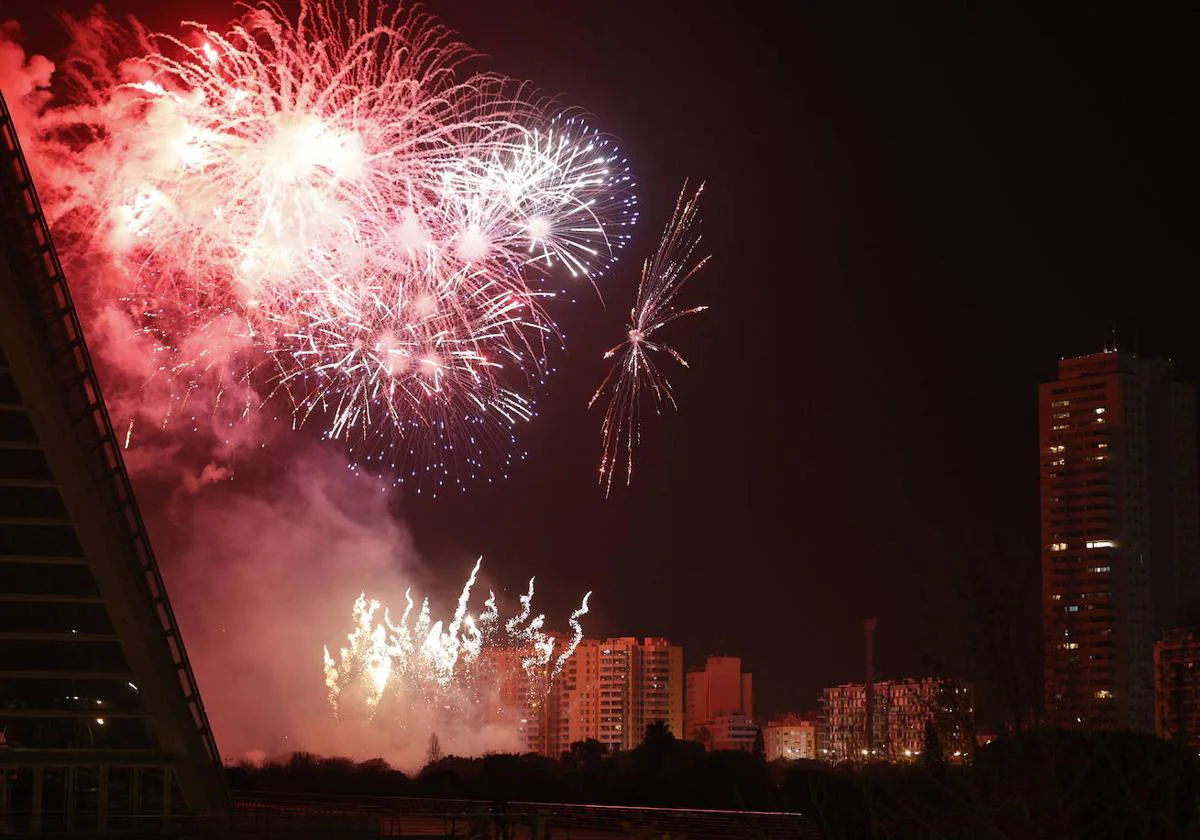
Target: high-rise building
616, 701
791, 737
98, 705
1177, 687
610, 690
1120, 559
658, 685
718, 687
901, 710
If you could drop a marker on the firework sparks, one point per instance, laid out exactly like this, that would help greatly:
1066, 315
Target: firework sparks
479, 668
634, 372
332, 194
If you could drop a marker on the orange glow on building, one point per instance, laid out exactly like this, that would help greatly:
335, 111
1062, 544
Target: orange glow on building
717, 688
791, 737
610, 690
902, 708
1119, 532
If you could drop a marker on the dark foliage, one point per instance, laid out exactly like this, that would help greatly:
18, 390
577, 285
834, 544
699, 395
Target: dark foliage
1042, 784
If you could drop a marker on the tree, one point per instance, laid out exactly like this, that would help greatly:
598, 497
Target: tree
433, 753
760, 745
932, 753
658, 734
587, 753
703, 735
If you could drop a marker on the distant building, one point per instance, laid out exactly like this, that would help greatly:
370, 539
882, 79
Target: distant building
1120, 558
733, 731
717, 688
610, 690
1177, 687
901, 710
791, 737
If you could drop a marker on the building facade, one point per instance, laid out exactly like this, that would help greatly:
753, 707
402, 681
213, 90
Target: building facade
610, 690
901, 710
732, 731
719, 687
791, 737
1119, 533
658, 684
1177, 687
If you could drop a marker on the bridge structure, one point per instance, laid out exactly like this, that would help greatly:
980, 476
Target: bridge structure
100, 715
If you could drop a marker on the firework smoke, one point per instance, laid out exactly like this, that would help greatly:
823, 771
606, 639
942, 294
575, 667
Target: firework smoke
24, 79
634, 372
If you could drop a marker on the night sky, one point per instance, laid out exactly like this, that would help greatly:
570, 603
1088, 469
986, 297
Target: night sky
913, 215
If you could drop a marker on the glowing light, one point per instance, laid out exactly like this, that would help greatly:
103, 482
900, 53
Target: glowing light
461, 664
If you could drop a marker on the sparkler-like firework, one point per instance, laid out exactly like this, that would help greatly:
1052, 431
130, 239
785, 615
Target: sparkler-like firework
634, 371
483, 669
330, 193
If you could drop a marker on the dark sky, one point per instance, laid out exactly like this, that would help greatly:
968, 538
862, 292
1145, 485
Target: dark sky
913, 214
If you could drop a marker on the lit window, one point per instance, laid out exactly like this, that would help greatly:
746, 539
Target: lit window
1103, 694
1100, 570
1101, 544
1059, 546
1100, 410
1070, 645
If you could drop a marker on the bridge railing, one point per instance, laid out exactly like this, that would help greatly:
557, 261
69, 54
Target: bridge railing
561, 817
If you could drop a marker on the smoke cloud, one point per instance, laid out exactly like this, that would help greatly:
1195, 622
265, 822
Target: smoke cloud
24, 78
262, 577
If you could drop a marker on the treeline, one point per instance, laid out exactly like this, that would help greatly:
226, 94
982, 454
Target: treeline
1042, 784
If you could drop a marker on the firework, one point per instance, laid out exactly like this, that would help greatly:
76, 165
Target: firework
634, 372
478, 668
368, 228
564, 196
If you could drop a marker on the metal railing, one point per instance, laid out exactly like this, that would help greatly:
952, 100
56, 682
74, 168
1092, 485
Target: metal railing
537, 819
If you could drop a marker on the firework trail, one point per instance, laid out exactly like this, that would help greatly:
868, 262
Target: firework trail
478, 670
327, 207
634, 372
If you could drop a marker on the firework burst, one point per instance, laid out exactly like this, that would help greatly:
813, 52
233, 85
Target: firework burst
634, 372
332, 194
481, 668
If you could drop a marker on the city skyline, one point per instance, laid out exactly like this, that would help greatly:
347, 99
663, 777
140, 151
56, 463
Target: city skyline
927, 265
